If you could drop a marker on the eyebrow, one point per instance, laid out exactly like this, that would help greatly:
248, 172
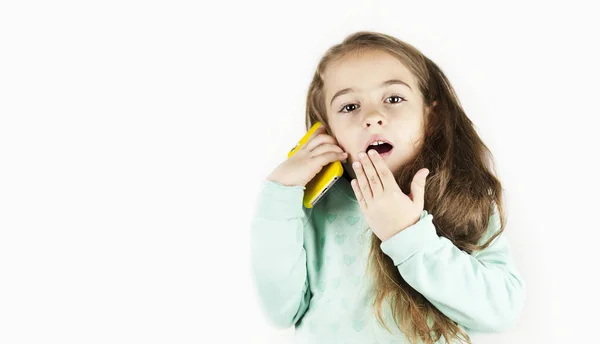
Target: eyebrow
383, 84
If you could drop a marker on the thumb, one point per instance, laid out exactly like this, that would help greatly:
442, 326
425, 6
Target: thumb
417, 188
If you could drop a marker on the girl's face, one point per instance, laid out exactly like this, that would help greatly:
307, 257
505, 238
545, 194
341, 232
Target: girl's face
373, 96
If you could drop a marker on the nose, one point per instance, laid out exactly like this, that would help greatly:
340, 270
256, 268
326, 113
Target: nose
374, 117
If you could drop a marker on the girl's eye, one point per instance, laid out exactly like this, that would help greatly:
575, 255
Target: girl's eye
345, 108
396, 97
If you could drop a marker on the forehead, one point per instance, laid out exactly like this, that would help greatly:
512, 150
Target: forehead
365, 70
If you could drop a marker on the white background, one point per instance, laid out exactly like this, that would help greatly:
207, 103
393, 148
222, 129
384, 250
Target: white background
134, 137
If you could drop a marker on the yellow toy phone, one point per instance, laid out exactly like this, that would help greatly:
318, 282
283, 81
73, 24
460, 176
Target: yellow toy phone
318, 186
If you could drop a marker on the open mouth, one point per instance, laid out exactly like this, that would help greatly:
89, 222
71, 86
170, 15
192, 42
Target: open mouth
381, 148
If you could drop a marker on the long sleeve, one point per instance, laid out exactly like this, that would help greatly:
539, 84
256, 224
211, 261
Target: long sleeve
278, 257
482, 291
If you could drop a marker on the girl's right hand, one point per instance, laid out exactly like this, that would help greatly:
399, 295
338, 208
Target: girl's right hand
299, 169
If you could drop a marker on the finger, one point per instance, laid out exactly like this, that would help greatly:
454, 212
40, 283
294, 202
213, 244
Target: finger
371, 173
358, 193
316, 133
385, 175
330, 157
319, 130
324, 148
363, 183
319, 140
417, 188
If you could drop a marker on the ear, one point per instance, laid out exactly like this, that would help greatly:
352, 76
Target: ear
428, 110
430, 107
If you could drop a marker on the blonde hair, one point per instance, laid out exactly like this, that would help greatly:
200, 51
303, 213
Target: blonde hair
461, 191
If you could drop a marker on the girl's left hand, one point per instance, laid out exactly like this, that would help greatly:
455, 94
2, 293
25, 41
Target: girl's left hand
385, 207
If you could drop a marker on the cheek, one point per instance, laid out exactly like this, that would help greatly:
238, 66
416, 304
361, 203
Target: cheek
347, 144
344, 147
409, 131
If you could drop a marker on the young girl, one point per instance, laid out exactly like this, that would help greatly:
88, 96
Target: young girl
407, 247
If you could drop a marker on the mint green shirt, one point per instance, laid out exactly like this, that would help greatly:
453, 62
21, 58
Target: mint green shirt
309, 269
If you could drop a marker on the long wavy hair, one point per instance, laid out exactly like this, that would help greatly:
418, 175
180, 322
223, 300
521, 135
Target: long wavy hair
461, 190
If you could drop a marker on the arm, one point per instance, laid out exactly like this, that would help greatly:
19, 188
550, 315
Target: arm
278, 258
482, 292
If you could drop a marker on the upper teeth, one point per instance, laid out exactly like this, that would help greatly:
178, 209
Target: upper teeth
375, 143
